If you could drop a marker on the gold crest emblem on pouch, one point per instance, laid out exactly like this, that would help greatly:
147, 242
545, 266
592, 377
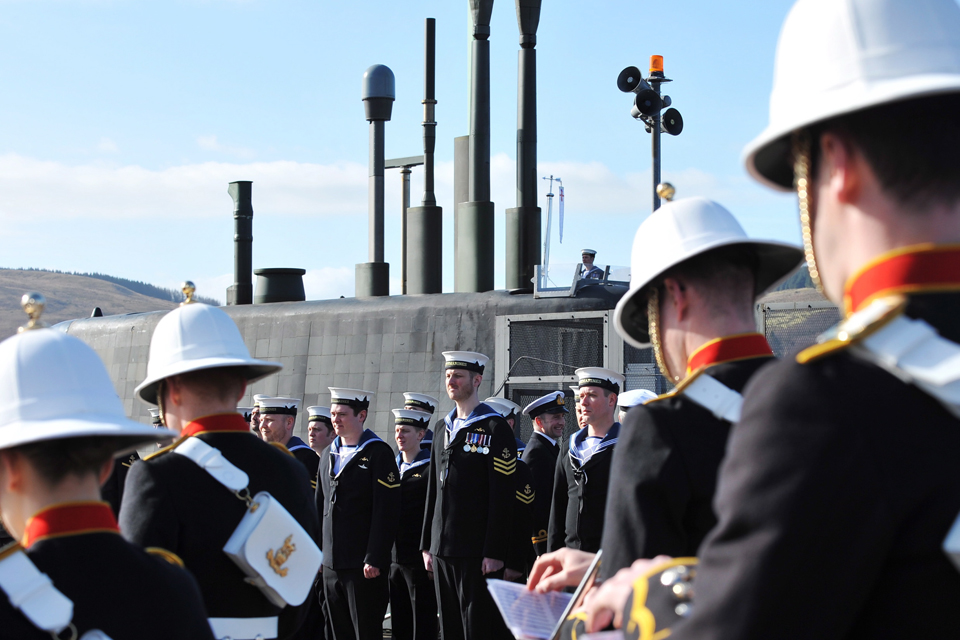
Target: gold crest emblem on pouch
278, 559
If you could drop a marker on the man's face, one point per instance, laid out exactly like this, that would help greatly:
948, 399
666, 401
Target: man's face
345, 422
461, 384
255, 420
408, 438
587, 259
596, 408
580, 423
551, 424
275, 427
320, 435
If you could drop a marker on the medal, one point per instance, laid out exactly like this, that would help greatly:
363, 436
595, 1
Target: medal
486, 450
466, 448
473, 449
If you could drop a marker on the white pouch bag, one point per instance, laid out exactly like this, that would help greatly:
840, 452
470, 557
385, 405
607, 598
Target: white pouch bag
278, 556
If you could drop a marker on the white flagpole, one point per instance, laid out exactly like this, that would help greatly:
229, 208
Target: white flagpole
546, 241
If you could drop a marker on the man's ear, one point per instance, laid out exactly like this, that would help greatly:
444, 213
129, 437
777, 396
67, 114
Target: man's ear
363, 418
842, 165
677, 296
11, 464
105, 470
477, 379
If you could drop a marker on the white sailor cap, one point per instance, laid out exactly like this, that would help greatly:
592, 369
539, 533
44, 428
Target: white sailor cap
553, 402
358, 399
576, 393
283, 406
257, 399
420, 402
600, 377
469, 360
245, 412
504, 407
634, 397
318, 414
589, 252
411, 417
155, 418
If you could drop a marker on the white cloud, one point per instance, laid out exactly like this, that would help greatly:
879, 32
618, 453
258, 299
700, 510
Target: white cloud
107, 146
47, 190
210, 143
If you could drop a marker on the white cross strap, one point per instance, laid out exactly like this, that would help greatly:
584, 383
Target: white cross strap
33, 593
211, 460
913, 351
716, 397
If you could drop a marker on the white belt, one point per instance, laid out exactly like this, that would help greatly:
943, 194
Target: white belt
244, 628
722, 401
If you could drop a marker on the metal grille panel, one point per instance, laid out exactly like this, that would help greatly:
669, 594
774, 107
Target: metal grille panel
789, 330
641, 370
555, 347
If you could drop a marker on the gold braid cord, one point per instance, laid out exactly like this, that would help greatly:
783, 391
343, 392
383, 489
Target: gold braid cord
802, 182
653, 327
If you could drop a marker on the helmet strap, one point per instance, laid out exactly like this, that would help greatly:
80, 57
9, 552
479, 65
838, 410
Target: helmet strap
803, 185
653, 328
160, 389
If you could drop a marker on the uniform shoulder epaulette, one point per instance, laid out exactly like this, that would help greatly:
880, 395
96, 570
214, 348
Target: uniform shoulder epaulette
169, 556
854, 328
167, 449
283, 448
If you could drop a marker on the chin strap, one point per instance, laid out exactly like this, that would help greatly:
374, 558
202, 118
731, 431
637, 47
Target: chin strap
801, 181
653, 328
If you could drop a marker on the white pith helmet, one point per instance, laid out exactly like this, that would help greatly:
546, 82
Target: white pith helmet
54, 386
839, 56
504, 407
194, 337
680, 230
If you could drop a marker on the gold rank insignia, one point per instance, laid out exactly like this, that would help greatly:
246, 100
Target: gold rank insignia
506, 453
277, 559
560, 399
527, 490
480, 430
391, 477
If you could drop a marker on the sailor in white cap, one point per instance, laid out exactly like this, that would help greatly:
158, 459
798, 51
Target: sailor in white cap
72, 574
576, 406
320, 431
582, 472
179, 498
548, 414
865, 125
466, 528
278, 417
520, 556
426, 403
358, 495
413, 599
633, 398
589, 271
254, 418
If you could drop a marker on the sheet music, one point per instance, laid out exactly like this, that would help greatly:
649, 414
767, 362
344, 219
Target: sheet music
528, 614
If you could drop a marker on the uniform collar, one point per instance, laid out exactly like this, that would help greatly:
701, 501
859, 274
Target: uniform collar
552, 442
480, 411
729, 349
68, 519
423, 457
365, 438
216, 422
920, 268
296, 443
608, 440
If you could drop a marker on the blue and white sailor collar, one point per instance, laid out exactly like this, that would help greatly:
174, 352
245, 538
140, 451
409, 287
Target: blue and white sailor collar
295, 443
480, 412
576, 443
366, 438
423, 457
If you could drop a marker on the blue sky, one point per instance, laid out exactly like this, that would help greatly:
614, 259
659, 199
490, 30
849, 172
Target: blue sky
122, 121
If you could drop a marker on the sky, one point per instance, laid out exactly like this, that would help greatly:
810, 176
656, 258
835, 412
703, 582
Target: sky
123, 121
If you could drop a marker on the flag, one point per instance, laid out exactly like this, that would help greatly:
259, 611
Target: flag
561, 214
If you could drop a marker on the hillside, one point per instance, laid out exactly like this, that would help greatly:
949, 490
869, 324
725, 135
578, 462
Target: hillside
68, 297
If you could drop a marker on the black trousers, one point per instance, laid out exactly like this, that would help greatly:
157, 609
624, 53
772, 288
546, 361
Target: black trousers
467, 611
316, 625
356, 605
413, 603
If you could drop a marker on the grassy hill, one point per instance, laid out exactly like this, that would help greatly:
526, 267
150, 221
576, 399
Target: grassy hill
68, 297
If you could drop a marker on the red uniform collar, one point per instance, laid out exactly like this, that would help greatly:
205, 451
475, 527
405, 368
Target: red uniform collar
216, 422
925, 267
729, 349
70, 519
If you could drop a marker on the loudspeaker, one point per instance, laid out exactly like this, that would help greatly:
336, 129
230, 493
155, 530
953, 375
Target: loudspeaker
671, 122
648, 102
629, 79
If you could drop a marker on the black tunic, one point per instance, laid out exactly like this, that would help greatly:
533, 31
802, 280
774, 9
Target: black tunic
470, 495
580, 494
520, 554
413, 502
360, 505
839, 487
541, 458
115, 587
171, 502
665, 473
307, 456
